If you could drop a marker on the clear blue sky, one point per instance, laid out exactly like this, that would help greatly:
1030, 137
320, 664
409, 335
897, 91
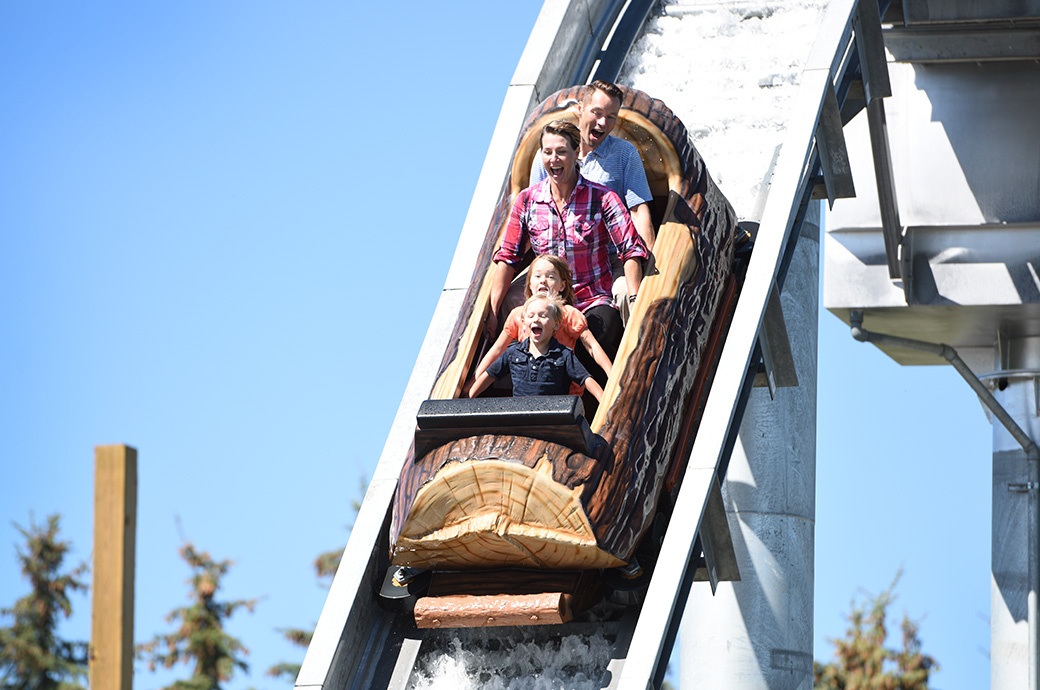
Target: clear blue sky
220, 243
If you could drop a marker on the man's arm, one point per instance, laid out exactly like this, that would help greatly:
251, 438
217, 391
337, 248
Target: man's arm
638, 194
644, 224
633, 276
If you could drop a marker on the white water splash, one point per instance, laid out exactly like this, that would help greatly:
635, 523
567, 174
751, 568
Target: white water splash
730, 72
573, 662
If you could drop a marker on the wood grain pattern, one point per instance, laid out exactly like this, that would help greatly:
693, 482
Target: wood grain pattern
477, 508
468, 611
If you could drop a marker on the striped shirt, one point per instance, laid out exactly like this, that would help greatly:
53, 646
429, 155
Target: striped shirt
592, 220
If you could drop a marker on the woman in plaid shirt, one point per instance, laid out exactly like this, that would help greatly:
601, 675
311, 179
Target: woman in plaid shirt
577, 220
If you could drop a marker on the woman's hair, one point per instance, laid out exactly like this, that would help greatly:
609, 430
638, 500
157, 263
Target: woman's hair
565, 129
552, 304
567, 293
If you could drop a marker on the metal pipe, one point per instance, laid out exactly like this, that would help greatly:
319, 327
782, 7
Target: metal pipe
950, 355
1032, 613
1032, 453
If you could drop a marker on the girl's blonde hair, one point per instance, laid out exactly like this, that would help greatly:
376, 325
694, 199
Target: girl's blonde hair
553, 305
567, 293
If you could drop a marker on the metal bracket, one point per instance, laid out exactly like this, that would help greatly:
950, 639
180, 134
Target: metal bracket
834, 156
777, 358
871, 45
720, 560
876, 85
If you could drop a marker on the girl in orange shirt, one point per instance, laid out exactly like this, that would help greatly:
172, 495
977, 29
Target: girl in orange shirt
548, 273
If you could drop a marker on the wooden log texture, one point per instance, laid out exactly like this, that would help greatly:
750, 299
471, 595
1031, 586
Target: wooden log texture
467, 611
662, 355
641, 417
502, 500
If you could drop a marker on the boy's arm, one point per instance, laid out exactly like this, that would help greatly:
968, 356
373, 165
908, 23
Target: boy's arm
599, 355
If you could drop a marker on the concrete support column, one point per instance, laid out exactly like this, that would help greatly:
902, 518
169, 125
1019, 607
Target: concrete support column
1014, 644
758, 633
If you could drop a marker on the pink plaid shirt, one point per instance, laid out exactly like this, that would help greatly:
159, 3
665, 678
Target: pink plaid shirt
579, 233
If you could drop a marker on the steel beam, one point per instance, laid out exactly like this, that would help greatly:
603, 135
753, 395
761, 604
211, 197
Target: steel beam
834, 156
963, 45
934, 11
790, 182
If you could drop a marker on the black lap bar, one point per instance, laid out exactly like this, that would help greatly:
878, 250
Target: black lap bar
556, 418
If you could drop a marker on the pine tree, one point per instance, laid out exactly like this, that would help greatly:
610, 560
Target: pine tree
864, 663
200, 637
32, 655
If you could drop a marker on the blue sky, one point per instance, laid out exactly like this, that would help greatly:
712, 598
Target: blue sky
223, 229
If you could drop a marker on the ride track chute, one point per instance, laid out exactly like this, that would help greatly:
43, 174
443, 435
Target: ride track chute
655, 399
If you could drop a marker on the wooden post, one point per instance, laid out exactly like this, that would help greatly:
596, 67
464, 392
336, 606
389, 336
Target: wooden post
115, 534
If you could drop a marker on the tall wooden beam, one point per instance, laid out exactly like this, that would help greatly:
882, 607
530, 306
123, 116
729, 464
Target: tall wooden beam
115, 535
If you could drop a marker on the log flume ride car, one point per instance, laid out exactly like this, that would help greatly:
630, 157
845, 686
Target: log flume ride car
513, 509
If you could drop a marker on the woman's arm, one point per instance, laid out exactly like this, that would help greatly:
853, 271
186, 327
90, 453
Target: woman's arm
500, 281
599, 355
506, 258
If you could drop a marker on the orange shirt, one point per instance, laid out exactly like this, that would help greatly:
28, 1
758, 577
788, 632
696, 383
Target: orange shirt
572, 325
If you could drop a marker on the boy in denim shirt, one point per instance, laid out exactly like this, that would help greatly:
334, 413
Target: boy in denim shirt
539, 364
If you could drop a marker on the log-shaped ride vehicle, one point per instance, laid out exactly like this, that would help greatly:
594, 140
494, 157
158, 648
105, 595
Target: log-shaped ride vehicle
517, 506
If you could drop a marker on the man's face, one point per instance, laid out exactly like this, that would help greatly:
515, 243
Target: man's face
596, 118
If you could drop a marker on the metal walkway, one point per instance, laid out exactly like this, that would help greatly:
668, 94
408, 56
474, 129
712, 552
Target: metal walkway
357, 644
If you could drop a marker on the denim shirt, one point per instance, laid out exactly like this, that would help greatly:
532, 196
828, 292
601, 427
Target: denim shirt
548, 375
